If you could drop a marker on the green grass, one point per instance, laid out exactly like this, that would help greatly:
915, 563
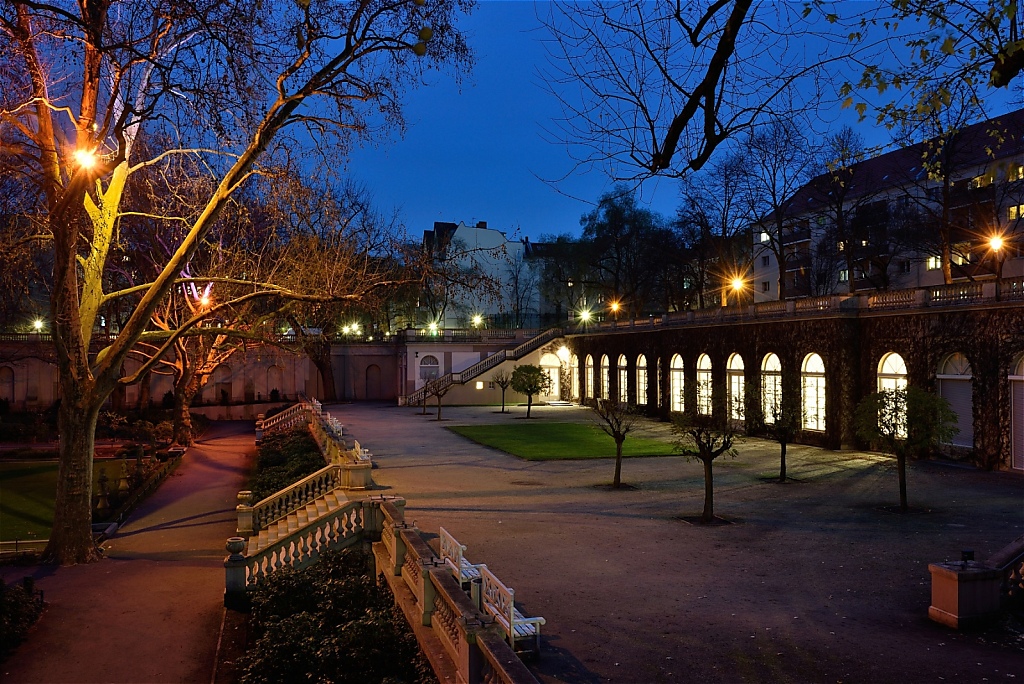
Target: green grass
558, 441
27, 492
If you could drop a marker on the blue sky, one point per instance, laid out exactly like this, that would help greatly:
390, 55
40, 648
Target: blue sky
479, 152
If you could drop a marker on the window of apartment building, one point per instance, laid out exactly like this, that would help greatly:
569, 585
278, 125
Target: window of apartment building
765, 286
765, 261
981, 181
840, 246
1016, 212
844, 276
820, 220
765, 237
905, 266
1015, 172
933, 263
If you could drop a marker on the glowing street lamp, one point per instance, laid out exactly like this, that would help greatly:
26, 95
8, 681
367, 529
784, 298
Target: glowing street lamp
737, 284
615, 306
37, 325
585, 315
433, 328
478, 320
86, 159
996, 244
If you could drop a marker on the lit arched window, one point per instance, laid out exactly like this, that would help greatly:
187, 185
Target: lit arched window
605, 376
574, 366
551, 367
812, 390
771, 388
623, 380
588, 378
704, 384
429, 367
734, 373
892, 373
954, 385
675, 383
641, 379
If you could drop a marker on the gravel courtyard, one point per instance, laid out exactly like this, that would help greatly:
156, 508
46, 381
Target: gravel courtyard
814, 581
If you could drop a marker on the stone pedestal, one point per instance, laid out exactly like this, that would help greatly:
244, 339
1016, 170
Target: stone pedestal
964, 593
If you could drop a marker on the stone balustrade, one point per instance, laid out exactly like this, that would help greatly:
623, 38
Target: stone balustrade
967, 593
472, 649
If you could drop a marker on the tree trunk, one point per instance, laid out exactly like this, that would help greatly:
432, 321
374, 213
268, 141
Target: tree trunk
71, 537
438, 407
617, 482
901, 466
184, 394
709, 492
502, 399
321, 358
782, 461
145, 392
529, 403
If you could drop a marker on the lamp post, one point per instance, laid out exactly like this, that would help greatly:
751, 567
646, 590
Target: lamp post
736, 285
614, 306
996, 244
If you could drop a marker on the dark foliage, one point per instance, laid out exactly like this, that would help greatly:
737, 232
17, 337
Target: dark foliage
282, 459
20, 607
331, 622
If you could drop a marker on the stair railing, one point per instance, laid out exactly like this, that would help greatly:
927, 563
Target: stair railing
279, 505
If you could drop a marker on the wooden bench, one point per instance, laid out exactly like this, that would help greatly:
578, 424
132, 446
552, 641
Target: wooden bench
451, 553
499, 601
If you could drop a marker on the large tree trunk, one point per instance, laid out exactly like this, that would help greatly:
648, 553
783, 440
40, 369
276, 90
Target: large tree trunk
319, 352
529, 404
184, 395
71, 539
709, 492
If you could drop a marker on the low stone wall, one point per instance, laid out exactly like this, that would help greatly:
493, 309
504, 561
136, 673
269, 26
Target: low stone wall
462, 644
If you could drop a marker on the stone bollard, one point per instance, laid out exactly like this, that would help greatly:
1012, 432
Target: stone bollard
244, 509
234, 575
965, 594
103, 498
122, 482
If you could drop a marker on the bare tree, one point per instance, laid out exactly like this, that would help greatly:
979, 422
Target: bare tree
711, 434
503, 379
226, 80
616, 420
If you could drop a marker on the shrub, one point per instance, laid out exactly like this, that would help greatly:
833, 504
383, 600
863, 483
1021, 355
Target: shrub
168, 400
20, 607
282, 459
330, 622
275, 394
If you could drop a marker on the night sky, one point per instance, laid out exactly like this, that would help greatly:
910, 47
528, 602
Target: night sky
481, 153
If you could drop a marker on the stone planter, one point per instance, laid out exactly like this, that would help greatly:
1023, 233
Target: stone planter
965, 594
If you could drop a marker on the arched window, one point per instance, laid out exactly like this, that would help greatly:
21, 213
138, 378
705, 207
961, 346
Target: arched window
704, 384
734, 373
605, 377
641, 380
588, 378
1017, 416
623, 380
812, 390
892, 373
954, 385
771, 388
7, 384
675, 384
429, 367
551, 366
574, 366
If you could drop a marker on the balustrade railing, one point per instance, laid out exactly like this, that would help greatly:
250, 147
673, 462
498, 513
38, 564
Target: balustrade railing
956, 293
1010, 562
290, 499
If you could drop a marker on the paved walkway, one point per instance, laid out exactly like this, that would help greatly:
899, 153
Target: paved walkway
814, 582
151, 611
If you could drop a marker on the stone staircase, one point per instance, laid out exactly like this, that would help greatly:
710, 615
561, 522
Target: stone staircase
315, 511
482, 366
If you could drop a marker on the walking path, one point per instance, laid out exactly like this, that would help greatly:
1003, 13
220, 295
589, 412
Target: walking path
814, 582
151, 611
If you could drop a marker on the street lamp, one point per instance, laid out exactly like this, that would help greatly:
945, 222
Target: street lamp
478, 320
585, 315
996, 244
86, 159
736, 284
37, 325
614, 306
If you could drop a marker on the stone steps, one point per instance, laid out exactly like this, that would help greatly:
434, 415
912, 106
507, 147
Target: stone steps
311, 512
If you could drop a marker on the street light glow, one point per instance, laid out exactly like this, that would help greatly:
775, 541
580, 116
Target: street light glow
37, 324
204, 301
995, 243
737, 284
85, 158
478, 321
585, 315
614, 306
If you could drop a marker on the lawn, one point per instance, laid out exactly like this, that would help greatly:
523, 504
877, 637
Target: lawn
558, 441
27, 491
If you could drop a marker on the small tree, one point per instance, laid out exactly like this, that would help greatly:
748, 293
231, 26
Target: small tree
905, 421
712, 435
786, 417
530, 380
503, 379
616, 420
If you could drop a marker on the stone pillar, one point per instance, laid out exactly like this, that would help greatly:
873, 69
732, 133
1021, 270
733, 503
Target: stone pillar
234, 575
244, 510
964, 594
